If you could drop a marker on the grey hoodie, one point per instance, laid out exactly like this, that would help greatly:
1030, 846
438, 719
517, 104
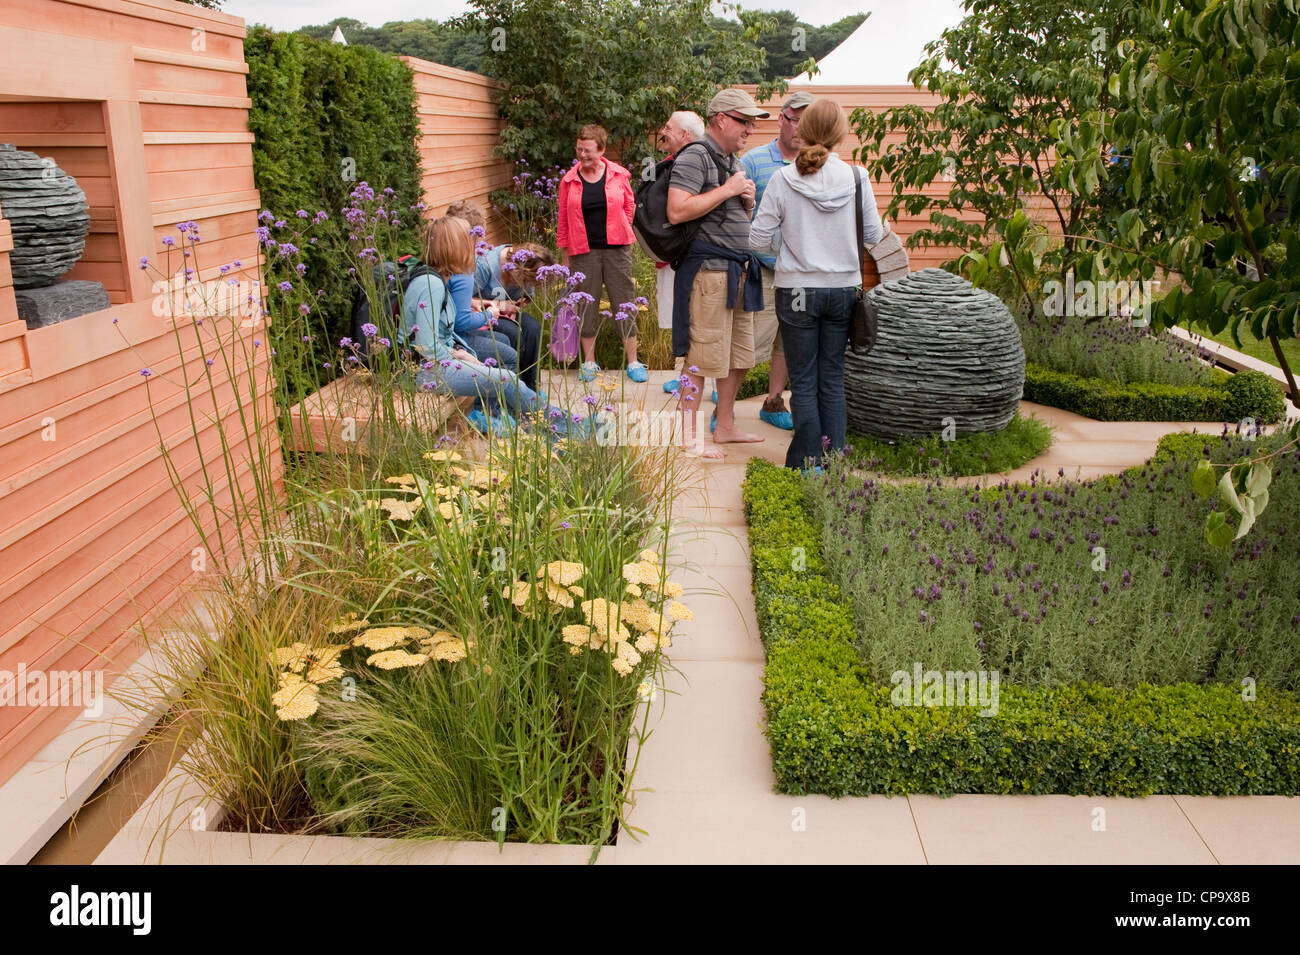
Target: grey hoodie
809, 222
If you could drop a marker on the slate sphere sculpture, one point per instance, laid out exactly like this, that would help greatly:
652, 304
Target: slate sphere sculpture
48, 214
944, 350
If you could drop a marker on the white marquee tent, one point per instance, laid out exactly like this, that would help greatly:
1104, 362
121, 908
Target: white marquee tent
888, 44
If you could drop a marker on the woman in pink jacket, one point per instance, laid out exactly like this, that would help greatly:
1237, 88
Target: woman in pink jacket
596, 204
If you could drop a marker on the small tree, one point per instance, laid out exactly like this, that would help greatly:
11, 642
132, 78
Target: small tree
1209, 119
626, 64
1017, 69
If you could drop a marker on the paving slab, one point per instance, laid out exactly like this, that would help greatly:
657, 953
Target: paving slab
1247, 830
693, 546
1056, 830
761, 828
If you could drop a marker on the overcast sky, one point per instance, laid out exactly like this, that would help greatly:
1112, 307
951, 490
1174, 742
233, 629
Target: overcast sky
292, 14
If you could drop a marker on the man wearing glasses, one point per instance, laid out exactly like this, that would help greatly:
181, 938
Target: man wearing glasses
719, 283
759, 164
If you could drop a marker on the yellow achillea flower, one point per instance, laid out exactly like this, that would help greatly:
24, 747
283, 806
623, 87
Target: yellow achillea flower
627, 658
483, 477
347, 623
405, 480
325, 664
518, 592
450, 651
439, 636
449, 511
443, 490
575, 589
395, 659
634, 589
679, 611
293, 658
296, 699
641, 573
578, 635
400, 510
442, 454
563, 572
671, 588
650, 557
558, 595
603, 616
383, 638
636, 613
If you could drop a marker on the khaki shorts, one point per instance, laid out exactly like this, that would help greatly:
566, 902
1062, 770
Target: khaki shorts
767, 332
722, 339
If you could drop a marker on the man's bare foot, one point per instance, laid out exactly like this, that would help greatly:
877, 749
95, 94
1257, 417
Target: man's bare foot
704, 452
734, 435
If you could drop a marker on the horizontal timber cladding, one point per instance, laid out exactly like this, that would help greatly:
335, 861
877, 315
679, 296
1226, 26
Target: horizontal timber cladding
151, 118
459, 132
878, 99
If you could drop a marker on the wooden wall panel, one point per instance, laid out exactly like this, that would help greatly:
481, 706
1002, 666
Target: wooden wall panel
460, 129
878, 99
94, 541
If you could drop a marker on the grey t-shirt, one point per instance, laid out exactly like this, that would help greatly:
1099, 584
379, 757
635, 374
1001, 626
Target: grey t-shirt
728, 224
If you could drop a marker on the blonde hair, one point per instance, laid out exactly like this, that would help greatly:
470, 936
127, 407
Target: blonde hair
821, 127
448, 248
470, 211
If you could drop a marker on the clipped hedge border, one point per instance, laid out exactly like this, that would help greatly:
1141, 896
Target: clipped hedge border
832, 731
1248, 394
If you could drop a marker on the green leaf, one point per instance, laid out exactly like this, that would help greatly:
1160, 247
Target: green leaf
1218, 533
1203, 480
1228, 489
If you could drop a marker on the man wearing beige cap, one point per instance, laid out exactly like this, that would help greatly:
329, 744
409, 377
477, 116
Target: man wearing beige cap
719, 283
759, 164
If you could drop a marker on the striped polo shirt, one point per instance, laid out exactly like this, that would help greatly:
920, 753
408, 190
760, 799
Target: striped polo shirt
759, 164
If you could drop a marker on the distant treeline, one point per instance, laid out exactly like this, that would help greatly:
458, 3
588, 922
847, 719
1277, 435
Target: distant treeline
440, 43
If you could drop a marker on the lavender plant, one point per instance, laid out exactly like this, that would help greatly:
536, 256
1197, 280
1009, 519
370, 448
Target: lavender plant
1059, 581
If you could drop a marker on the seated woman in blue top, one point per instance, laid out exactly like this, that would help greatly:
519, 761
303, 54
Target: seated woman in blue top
488, 344
504, 277
429, 325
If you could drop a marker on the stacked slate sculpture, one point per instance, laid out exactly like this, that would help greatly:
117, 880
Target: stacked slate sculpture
50, 219
944, 350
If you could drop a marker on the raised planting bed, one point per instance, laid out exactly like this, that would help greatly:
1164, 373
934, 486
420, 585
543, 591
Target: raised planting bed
1181, 678
457, 648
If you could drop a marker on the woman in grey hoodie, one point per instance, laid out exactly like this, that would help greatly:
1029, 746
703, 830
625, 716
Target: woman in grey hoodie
807, 216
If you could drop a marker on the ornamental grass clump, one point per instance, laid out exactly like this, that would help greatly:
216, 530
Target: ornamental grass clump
1056, 582
391, 612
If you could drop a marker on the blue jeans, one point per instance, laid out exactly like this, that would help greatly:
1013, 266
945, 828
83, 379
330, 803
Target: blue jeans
815, 337
487, 343
525, 337
496, 388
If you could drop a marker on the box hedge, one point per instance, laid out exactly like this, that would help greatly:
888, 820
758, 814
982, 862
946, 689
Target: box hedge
832, 731
1246, 394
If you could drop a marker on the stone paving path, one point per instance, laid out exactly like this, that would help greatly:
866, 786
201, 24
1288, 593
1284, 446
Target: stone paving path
704, 782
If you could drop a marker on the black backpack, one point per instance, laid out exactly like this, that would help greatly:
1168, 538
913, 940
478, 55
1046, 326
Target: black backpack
663, 240
391, 280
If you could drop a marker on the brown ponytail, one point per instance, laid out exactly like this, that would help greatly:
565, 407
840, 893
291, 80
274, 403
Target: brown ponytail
821, 127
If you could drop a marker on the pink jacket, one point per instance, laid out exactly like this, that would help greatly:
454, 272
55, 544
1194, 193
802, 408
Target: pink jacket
620, 206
